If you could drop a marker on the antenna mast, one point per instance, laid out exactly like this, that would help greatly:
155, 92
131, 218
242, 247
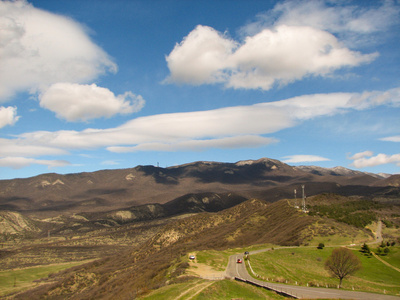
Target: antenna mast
303, 198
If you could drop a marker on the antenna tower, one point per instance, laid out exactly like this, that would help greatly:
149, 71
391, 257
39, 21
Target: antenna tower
303, 198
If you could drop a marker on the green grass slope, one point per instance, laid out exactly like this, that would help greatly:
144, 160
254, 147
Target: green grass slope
305, 265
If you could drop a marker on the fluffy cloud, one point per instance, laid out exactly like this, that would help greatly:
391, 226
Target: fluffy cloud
77, 102
303, 158
280, 55
201, 57
22, 162
38, 48
8, 116
293, 40
366, 159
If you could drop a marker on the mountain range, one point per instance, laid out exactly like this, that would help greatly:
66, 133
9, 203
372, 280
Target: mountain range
170, 190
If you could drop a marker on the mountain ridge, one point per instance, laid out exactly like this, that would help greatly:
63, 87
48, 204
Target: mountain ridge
50, 194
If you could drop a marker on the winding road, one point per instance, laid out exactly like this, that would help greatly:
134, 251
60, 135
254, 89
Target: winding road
239, 272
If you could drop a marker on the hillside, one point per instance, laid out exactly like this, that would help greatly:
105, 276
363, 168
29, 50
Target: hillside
159, 259
50, 195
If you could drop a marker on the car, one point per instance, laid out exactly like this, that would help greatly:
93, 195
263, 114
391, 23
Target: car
192, 257
239, 261
246, 253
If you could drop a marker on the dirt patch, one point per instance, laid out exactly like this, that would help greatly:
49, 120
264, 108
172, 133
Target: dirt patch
203, 270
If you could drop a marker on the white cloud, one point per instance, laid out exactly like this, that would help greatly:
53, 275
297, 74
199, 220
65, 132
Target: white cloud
303, 158
38, 48
350, 22
379, 159
26, 147
201, 57
391, 139
22, 162
376, 98
231, 127
77, 102
361, 155
279, 55
339, 18
293, 40
288, 53
8, 116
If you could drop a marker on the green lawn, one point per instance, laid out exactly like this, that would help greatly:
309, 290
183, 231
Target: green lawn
306, 266
393, 257
15, 280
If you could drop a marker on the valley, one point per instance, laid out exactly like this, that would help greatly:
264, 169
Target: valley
128, 233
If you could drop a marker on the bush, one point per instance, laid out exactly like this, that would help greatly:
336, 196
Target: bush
321, 246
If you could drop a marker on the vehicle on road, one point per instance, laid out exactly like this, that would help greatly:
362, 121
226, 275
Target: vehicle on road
239, 261
192, 257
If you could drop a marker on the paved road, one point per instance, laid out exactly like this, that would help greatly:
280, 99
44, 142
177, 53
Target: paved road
239, 271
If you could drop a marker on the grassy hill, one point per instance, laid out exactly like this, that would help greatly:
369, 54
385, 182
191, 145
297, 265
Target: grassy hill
287, 266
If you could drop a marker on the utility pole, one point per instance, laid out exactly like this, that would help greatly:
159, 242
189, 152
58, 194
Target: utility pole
295, 198
303, 198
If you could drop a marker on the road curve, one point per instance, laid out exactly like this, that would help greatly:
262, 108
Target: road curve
239, 271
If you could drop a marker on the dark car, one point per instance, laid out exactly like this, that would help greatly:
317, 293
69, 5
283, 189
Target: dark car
246, 253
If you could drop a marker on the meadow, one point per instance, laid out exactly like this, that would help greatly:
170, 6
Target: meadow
305, 266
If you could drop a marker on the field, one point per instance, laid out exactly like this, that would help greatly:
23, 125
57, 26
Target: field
288, 266
209, 290
12, 281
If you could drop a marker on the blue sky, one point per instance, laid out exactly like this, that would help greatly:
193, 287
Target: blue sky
90, 85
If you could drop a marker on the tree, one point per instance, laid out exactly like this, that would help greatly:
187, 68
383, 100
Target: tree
365, 249
342, 263
321, 246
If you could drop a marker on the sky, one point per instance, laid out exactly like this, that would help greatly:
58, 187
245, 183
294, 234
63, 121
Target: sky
89, 85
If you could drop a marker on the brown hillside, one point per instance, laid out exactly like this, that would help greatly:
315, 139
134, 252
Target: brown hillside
129, 273
393, 180
53, 194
